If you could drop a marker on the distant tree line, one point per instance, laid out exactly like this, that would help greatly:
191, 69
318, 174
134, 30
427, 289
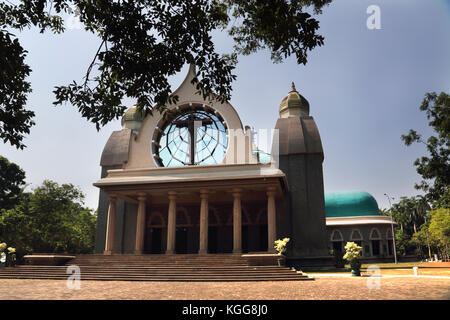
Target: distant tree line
423, 222
49, 219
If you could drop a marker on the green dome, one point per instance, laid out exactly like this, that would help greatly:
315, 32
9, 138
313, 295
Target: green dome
350, 204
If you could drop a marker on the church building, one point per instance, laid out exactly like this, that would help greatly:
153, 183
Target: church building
191, 181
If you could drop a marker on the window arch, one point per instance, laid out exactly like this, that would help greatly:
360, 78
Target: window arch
182, 218
336, 235
375, 234
261, 217
213, 217
337, 241
375, 240
356, 235
244, 216
156, 220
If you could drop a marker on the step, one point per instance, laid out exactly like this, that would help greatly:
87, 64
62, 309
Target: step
155, 266
167, 279
189, 267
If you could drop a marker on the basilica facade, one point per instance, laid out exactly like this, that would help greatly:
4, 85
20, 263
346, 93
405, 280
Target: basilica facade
192, 181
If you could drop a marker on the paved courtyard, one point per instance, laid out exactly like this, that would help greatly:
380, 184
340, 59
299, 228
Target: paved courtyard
327, 287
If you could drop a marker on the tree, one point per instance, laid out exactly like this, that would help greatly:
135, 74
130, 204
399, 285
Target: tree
434, 169
423, 240
142, 42
15, 120
440, 230
409, 213
402, 242
50, 219
12, 178
17, 228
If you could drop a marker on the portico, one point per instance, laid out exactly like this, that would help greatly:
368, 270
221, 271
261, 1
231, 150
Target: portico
244, 194
196, 180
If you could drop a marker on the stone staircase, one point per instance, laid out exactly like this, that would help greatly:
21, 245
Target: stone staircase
188, 267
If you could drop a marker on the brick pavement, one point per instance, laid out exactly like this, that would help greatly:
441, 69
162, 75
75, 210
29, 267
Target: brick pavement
321, 288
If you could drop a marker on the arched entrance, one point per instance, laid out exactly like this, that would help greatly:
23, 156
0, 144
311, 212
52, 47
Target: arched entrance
213, 231
154, 235
261, 221
183, 223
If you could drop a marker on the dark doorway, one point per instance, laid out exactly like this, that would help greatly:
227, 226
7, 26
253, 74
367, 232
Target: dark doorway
390, 248
212, 240
181, 240
263, 238
337, 246
226, 239
245, 239
375, 247
156, 240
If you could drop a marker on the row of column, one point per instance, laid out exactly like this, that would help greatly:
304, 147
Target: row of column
171, 222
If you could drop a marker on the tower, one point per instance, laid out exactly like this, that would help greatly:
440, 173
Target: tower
300, 158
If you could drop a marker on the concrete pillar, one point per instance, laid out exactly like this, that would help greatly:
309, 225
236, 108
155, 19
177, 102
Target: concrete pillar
171, 222
203, 222
140, 224
237, 221
111, 226
271, 220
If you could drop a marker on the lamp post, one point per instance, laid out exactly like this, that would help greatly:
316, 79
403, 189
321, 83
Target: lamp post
392, 226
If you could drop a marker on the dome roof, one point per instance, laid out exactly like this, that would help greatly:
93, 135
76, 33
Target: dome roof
350, 204
294, 104
132, 118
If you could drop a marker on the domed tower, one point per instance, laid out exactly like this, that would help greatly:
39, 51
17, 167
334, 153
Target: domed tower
115, 155
294, 104
302, 212
132, 119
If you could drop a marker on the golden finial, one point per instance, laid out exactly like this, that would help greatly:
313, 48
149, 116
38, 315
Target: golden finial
293, 86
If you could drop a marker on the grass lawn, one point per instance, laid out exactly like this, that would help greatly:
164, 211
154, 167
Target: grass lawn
402, 268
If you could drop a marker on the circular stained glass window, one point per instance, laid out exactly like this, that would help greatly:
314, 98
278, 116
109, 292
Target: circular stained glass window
192, 137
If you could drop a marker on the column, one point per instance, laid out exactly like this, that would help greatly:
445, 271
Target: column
271, 219
237, 221
171, 222
111, 226
140, 224
203, 222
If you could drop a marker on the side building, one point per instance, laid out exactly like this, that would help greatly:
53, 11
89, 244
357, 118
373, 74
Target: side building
354, 216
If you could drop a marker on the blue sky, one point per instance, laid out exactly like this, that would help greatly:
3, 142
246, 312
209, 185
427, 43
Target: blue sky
364, 88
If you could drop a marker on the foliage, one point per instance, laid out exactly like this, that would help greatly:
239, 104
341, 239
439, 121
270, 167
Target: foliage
423, 241
403, 243
435, 234
15, 120
51, 219
411, 215
7, 256
434, 169
142, 43
410, 212
440, 229
352, 252
338, 258
280, 245
443, 201
12, 178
